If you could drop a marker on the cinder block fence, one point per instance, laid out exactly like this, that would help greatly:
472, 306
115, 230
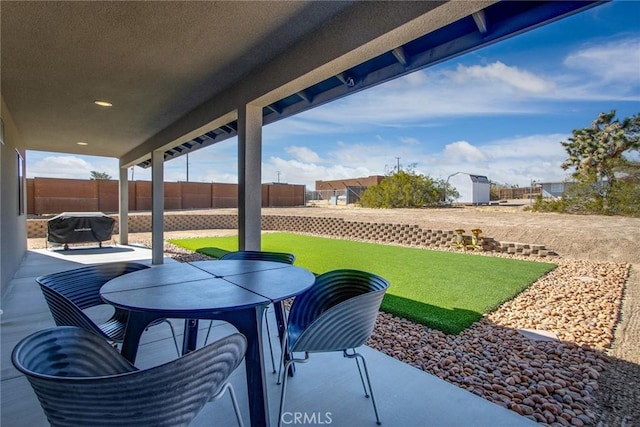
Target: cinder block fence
401, 234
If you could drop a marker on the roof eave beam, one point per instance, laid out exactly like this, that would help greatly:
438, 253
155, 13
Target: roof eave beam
401, 56
480, 18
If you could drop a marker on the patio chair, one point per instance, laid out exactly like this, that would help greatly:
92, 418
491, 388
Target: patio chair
338, 313
69, 293
80, 380
282, 257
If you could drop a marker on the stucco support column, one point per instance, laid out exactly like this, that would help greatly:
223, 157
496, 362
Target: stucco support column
157, 207
123, 207
249, 177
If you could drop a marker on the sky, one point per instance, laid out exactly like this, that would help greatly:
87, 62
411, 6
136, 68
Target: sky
500, 111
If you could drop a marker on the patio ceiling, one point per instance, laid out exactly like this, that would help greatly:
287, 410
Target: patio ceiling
177, 71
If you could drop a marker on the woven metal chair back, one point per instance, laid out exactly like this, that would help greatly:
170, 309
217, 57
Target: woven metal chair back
81, 380
338, 312
282, 257
70, 292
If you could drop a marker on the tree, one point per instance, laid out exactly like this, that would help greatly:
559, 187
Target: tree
606, 181
624, 196
406, 189
598, 149
99, 175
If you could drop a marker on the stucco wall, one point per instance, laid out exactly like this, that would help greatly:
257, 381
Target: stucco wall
13, 229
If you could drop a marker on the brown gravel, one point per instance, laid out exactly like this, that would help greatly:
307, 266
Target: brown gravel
554, 382
591, 302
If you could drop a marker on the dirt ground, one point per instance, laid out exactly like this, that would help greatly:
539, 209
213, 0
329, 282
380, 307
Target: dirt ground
602, 238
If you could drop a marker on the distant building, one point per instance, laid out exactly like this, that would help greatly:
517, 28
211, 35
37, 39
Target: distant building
342, 191
554, 189
342, 184
473, 189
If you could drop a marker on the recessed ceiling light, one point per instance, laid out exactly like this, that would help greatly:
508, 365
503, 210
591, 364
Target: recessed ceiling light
82, 143
103, 103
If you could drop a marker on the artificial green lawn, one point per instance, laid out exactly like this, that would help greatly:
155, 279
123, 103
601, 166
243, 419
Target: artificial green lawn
443, 290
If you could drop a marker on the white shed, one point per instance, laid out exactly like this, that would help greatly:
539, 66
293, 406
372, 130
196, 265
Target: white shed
473, 189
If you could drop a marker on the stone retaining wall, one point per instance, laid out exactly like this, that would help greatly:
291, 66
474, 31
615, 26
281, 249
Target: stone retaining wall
402, 234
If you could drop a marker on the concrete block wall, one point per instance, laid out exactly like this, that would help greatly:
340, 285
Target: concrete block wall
401, 234
198, 222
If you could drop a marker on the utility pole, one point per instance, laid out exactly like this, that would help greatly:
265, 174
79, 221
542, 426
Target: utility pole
278, 177
531, 191
398, 160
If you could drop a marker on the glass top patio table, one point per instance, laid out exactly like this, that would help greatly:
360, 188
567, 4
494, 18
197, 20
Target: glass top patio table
236, 291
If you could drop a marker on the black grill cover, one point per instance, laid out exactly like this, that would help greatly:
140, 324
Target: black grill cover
80, 227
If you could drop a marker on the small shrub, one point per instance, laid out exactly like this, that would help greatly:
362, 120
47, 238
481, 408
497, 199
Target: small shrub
549, 205
406, 189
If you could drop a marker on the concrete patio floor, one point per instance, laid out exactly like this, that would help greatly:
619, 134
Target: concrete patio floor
327, 390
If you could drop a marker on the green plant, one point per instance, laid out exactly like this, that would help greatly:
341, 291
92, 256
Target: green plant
99, 175
606, 181
407, 189
549, 205
596, 149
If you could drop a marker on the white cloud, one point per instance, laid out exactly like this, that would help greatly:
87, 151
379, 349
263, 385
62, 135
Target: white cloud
497, 72
74, 167
300, 125
415, 79
377, 157
513, 161
215, 163
528, 147
421, 99
342, 160
463, 151
410, 140
611, 61
607, 70
296, 172
604, 71
304, 154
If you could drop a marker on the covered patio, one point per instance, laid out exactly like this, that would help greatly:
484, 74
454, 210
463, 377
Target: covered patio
327, 388
145, 82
